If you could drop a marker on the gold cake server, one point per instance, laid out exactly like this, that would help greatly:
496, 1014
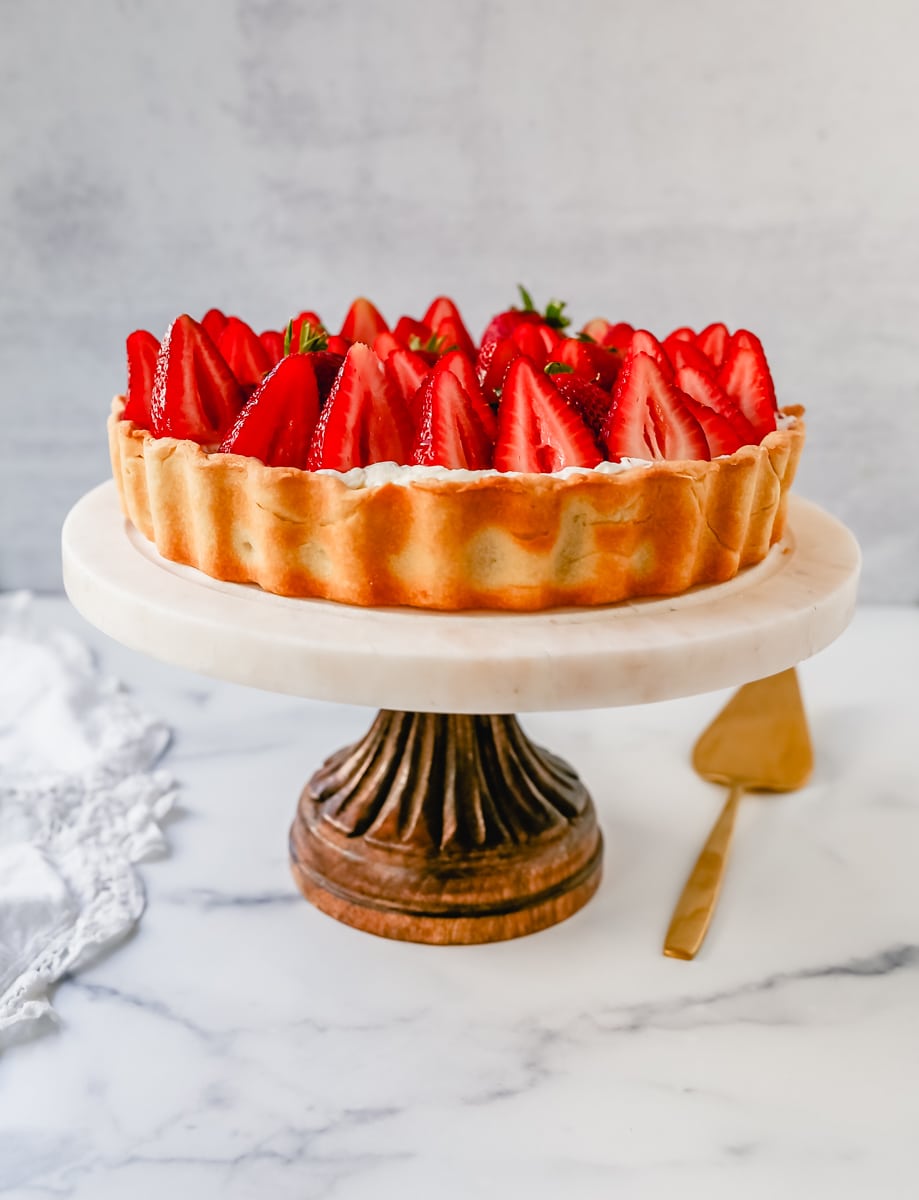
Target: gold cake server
759, 742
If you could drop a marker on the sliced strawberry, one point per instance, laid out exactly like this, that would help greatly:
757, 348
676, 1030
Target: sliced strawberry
278, 422
746, 378
195, 394
273, 343
245, 355
704, 389
713, 342
644, 342
362, 322
720, 434
648, 418
688, 354
142, 349
326, 365
538, 431
407, 328
338, 345
683, 334
444, 320
214, 321
588, 360
462, 367
408, 372
364, 421
610, 337
384, 344
503, 354
450, 432
588, 399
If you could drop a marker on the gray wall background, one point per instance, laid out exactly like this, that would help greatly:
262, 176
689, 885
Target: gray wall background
665, 163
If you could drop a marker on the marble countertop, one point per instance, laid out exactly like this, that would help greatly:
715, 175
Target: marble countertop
241, 1044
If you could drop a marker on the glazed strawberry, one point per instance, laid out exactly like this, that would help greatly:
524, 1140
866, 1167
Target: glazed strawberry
704, 389
644, 342
408, 371
588, 399
277, 423
450, 432
713, 342
503, 325
444, 320
363, 322
720, 434
648, 418
195, 394
273, 341
610, 337
462, 367
746, 379
214, 322
245, 355
365, 420
142, 349
538, 431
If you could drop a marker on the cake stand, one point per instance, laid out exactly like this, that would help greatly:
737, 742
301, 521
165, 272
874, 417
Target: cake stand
445, 824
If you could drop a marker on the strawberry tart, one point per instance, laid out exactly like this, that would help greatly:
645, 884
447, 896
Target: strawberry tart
410, 466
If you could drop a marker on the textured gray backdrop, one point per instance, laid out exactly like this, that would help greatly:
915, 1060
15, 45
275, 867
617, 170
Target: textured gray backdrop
665, 163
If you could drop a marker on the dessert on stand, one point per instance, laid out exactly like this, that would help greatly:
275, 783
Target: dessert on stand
456, 534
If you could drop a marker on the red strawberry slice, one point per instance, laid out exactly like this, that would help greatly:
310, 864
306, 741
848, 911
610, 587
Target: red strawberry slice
688, 354
214, 321
644, 342
364, 421
278, 422
195, 394
462, 367
648, 418
588, 360
273, 341
407, 328
444, 320
408, 372
683, 334
338, 345
362, 322
746, 378
720, 434
706, 390
384, 344
610, 337
713, 342
503, 354
245, 355
588, 400
326, 365
450, 431
142, 349
538, 431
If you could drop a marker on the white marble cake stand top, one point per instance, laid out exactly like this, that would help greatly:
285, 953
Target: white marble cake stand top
769, 618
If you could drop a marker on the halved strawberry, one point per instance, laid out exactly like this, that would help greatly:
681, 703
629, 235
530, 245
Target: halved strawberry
384, 344
644, 342
538, 431
338, 344
408, 371
588, 399
365, 420
503, 354
444, 320
720, 434
273, 341
746, 378
142, 349
462, 367
704, 389
683, 334
195, 394
713, 342
214, 321
648, 418
450, 431
609, 336
277, 423
245, 355
688, 354
362, 322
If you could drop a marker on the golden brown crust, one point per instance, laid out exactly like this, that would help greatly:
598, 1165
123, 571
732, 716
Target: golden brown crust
524, 542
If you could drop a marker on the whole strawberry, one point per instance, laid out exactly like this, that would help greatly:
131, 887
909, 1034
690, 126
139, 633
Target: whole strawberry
503, 325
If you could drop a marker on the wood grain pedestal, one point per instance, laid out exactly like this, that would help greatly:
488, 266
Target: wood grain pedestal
446, 829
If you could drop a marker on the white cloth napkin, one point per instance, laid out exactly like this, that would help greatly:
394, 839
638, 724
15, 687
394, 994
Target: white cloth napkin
79, 804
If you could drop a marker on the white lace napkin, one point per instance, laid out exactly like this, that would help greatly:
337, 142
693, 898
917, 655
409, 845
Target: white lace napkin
78, 805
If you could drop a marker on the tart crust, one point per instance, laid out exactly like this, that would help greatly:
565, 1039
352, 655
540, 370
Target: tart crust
516, 542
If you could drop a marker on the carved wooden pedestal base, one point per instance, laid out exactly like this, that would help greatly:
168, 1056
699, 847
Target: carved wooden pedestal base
446, 829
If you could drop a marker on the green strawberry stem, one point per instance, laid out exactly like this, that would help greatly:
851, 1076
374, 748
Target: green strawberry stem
554, 316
